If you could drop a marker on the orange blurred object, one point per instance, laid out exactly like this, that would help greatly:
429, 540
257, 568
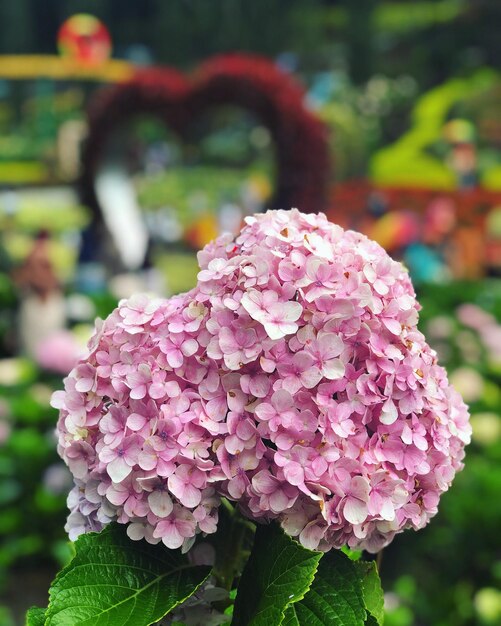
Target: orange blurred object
396, 229
202, 231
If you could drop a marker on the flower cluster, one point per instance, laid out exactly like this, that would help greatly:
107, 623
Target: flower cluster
292, 379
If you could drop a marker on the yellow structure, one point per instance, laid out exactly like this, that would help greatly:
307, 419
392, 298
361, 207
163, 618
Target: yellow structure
33, 66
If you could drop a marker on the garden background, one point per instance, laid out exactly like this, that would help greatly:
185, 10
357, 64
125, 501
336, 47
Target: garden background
408, 96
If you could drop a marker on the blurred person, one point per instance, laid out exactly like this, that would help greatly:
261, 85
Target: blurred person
431, 257
463, 153
493, 242
42, 310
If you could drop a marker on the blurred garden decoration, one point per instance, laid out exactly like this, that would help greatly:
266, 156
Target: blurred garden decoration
255, 397
361, 118
417, 158
40, 140
447, 157
452, 234
247, 82
396, 230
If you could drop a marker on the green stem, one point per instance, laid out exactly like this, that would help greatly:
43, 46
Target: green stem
229, 560
229, 567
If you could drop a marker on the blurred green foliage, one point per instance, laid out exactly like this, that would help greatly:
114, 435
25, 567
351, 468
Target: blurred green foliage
191, 192
417, 157
33, 481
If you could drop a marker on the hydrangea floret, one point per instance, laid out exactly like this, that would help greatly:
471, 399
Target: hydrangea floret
291, 380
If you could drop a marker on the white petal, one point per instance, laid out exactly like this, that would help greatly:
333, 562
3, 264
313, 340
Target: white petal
135, 421
136, 531
389, 413
291, 311
160, 503
118, 469
333, 369
274, 331
355, 511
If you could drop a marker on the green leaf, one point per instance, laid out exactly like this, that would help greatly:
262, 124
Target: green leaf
343, 593
35, 617
113, 580
372, 592
279, 571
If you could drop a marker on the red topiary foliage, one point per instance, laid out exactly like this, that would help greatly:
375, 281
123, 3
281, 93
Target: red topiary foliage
250, 82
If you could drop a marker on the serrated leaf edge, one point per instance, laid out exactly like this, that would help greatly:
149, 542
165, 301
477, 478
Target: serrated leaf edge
368, 565
302, 548
31, 610
313, 553
298, 599
358, 564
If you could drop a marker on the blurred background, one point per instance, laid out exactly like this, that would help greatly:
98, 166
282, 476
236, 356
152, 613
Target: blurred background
131, 134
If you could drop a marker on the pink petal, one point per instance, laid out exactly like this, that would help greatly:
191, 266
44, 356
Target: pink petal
136, 421
278, 501
186, 526
138, 393
216, 409
157, 391
172, 389
79, 467
237, 486
189, 347
359, 488
117, 497
311, 377
394, 326
136, 531
330, 344
233, 444
282, 400
191, 497
107, 455
290, 312
147, 460
406, 434
311, 535
260, 386
264, 483
294, 473
84, 385
227, 341
171, 536
174, 358
274, 331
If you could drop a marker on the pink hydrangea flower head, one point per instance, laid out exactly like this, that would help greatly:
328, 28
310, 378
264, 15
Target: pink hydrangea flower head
292, 380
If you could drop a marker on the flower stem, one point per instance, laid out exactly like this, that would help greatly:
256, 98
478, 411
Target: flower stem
230, 557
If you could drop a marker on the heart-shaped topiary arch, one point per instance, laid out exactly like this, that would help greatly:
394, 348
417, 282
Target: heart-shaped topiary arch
250, 82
